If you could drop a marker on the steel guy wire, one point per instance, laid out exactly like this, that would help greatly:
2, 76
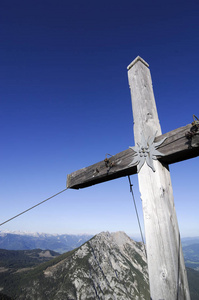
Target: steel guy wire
23, 212
138, 219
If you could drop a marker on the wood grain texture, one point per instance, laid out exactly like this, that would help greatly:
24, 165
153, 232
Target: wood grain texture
116, 166
167, 274
176, 147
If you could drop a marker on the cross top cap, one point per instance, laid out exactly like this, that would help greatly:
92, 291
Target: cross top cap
138, 58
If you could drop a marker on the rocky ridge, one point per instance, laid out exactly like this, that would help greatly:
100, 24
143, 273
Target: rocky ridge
110, 266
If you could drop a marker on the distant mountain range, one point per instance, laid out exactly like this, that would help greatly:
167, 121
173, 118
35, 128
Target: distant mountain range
190, 248
109, 266
66, 242
28, 241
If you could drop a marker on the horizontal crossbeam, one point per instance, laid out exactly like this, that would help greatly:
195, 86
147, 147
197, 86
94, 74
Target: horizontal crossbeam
180, 144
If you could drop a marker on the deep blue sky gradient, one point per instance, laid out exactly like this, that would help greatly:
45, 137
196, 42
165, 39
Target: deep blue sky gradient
65, 103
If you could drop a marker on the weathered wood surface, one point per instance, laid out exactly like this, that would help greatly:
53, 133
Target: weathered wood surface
116, 166
167, 273
176, 147
179, 145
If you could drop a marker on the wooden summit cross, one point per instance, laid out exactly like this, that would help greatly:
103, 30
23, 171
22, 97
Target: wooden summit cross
150, 159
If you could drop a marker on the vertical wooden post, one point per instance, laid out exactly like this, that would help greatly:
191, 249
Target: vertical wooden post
167, 273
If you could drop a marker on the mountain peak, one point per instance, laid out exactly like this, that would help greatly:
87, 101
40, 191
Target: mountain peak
109, 264
121, 238
118, 239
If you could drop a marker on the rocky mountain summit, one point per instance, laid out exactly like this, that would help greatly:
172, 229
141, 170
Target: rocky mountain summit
110, 266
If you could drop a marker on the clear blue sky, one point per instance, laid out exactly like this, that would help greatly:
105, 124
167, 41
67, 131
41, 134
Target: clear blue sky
65, 103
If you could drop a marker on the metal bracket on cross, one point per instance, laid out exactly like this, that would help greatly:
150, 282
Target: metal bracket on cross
146, 151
